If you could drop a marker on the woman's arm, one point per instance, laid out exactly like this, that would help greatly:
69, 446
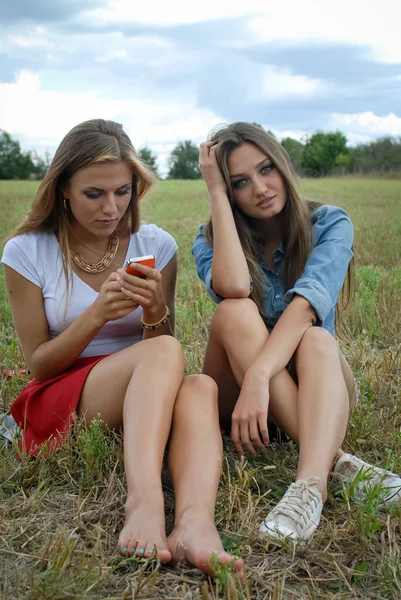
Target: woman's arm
230, 273
47, 358
169, 278
284, 339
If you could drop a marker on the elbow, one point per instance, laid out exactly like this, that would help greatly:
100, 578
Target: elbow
308, 313
233, 292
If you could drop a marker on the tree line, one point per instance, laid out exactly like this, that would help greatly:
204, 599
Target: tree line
320, 154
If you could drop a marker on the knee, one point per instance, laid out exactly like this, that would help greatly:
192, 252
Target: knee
233, 312
197, 392
165, 348
317, 343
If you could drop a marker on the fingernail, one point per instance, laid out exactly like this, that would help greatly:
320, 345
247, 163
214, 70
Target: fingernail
125, 549
119, 279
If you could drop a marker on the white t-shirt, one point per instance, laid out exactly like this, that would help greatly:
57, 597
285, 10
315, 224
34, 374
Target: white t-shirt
37, 257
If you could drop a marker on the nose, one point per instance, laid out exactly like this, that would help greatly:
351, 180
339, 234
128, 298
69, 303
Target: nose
259, 186
110, 205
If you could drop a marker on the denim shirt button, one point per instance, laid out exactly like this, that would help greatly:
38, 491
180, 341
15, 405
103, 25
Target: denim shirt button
277, 296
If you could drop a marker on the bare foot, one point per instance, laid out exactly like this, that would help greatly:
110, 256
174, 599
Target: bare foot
195, 539
144, 534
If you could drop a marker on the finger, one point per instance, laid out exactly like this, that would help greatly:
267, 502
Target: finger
254, 431
235, 437
245, 440
149, 273
263, 428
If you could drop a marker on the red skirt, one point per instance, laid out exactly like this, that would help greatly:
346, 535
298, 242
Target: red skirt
45, 411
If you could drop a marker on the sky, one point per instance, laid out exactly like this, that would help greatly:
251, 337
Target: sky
170, 71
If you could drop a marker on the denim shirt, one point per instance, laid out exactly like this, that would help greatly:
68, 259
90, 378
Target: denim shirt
323, 276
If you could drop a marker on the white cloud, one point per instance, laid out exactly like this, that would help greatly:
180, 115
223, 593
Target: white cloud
280, 83
366, 124
40, 118
175, 11
373, 25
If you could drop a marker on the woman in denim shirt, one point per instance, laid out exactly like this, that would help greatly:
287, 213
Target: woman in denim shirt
275, 264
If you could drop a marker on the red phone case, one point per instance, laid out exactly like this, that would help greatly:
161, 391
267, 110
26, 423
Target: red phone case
148, 261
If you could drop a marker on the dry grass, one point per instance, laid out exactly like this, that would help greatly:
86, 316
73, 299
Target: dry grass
60, 516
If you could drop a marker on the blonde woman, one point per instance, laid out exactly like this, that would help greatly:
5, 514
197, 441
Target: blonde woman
100, 341
275, 264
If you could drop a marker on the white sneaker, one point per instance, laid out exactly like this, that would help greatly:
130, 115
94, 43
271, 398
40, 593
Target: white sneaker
349, 466
297, 515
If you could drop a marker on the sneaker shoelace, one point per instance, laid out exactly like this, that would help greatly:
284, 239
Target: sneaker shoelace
375, 476
299, 500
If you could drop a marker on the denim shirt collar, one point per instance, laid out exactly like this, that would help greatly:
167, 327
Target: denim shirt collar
278, 256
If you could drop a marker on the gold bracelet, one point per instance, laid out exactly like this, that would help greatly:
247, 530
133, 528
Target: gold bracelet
160, 323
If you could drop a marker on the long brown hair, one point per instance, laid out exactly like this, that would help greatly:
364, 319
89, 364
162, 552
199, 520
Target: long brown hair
91, 142
297, 212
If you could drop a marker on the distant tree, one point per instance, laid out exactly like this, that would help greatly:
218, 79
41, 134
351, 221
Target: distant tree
321, 151
183, 161
14, 164
41, 163
295, 150
147, 156
381, 155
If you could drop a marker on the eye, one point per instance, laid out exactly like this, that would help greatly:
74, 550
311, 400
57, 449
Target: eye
267, 169
239, 184
122, 192
92, 195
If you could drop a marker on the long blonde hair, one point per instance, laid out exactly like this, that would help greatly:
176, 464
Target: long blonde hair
89, 143
297, 212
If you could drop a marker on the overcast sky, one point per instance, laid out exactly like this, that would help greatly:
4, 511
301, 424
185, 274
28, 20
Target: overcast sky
173, 70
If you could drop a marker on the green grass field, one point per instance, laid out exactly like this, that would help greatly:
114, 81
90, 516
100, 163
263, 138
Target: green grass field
60, 516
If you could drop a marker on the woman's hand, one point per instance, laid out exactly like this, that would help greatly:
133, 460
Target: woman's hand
249, 419
111, 304
147, 292
210, 169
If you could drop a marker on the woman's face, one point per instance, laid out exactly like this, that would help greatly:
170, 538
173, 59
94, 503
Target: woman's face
259, 189
98, 196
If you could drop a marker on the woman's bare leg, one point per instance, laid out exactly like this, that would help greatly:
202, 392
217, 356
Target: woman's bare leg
137, 388
237, 336
195, 462
323, 405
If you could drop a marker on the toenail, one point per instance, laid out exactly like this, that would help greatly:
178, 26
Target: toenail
141, 551
125, 549
133, 550
150, 551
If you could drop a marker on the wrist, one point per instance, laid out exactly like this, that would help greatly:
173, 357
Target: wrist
95, 319
154, 313
218, 194
259, 372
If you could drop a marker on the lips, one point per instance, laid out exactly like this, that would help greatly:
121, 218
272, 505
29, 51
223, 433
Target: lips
265, 201
107, 222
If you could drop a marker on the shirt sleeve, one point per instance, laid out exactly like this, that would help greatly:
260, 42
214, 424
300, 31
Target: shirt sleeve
203, 254
326, 268
22, 256
167, 247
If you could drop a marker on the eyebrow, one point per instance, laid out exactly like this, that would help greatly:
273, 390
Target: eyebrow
257, 166
95, 189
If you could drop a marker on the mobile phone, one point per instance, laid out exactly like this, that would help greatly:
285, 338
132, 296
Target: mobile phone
148, 260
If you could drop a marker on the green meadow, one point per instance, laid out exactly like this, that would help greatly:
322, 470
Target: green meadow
60, 516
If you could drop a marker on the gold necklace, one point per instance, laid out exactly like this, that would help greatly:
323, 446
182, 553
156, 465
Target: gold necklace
104, 263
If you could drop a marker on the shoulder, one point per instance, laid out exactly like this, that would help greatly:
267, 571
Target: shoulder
329, 214
331, 219
152, 232
33, 243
